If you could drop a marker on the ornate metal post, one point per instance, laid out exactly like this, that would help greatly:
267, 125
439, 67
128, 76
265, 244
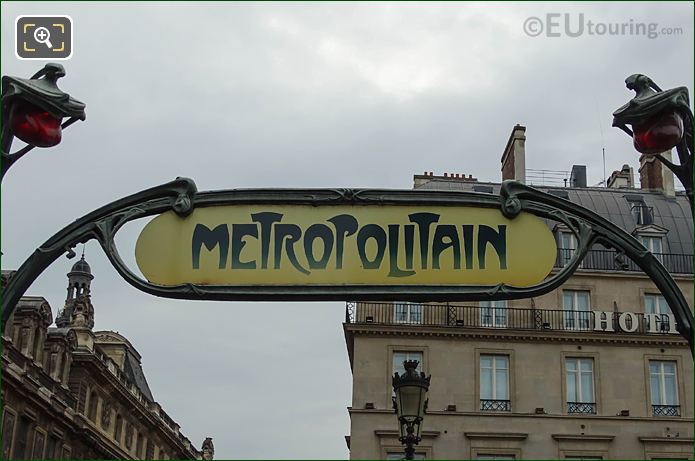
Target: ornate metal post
33, 110
410, 403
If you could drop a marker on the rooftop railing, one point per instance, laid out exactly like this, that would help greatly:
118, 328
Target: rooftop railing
610, 260
468, 316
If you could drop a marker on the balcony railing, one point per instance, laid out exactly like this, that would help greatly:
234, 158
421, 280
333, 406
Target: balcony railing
581, 407
610, 260
666, 410
495, 405
467, 316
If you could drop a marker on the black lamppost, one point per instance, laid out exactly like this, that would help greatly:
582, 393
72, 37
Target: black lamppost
410, 403
660, 120
33, 110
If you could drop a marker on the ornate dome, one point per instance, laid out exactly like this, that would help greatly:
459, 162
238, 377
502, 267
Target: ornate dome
81, 266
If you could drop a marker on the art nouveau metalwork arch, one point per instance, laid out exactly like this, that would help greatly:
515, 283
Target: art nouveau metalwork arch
182, 197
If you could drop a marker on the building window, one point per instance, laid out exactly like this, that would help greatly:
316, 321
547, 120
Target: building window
494, 383
568, 245
92, 409
149, 454
576, 306
580, 385
493, 313
663, 384
653, 244
405, 312
641, 213
117, 429
39, 445
8, 420
52, 447
401, 356
22, 441
656, 304
139, 445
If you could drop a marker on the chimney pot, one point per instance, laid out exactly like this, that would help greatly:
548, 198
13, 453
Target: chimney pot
445, 175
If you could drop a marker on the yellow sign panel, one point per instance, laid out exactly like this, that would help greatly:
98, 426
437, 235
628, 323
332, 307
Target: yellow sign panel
377, 245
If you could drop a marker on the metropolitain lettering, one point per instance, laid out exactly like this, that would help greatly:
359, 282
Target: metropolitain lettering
394, 246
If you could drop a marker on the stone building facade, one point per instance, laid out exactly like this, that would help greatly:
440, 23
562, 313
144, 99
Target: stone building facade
542, 378
70, 392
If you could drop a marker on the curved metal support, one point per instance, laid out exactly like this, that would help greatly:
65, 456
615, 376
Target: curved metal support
182, 197
176, 195
612, 236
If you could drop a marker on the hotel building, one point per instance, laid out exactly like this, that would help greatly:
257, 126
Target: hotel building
534, 378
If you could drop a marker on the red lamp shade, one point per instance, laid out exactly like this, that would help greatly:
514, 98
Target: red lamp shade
34, 125
659, 134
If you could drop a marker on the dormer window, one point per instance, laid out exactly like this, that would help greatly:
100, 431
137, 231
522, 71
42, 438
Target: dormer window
643, 214
653, 239
653, 244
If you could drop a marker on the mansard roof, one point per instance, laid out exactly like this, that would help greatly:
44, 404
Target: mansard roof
615, 204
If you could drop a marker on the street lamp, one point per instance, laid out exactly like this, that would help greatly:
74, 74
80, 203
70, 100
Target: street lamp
33, 110
410, 403
660, 120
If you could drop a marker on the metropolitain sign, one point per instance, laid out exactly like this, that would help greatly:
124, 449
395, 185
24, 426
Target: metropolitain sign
337, 245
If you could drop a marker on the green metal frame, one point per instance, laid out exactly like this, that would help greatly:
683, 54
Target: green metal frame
182, 197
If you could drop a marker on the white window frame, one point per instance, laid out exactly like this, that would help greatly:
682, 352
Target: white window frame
572, 244
576, 375
493, 370
662, 382
409, 355
661, 308
575, 319
493, 313
413, 313
648, 242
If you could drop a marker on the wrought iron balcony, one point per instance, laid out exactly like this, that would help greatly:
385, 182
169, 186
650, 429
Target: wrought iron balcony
495, 405
455, 315
666, 410
610, 260
581, 407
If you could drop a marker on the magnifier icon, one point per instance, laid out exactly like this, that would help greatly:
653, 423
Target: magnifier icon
42, 35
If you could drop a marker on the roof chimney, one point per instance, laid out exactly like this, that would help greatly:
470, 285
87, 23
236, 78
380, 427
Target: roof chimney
621, 179
654, 175
514, 155
578, 176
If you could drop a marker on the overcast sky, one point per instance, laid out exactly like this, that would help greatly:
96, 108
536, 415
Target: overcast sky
304, 95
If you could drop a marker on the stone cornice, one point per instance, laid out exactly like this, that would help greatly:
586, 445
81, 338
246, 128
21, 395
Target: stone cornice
496, 435
479, 414
509, 334
688, 440
393, 433
584, 437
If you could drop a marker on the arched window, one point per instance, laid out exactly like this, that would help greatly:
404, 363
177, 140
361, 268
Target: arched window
92, 408
36, 353
117, 429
